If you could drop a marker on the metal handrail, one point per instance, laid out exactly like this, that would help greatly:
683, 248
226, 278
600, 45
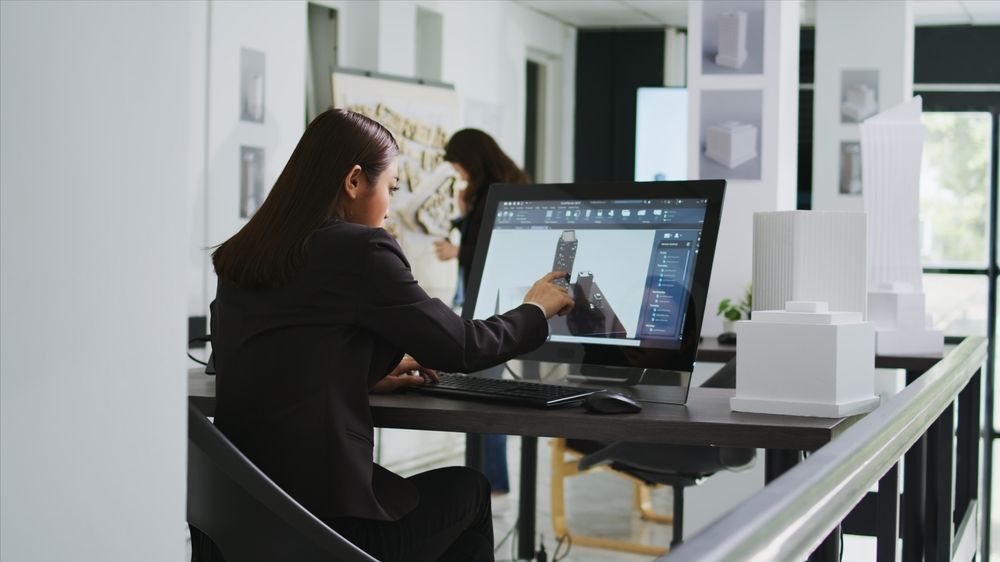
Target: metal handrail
791, 516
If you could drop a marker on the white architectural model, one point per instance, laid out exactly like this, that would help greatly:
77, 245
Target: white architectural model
732, 39
731, 143
805, 361
859, 103
891, 146
808, 350
809, 256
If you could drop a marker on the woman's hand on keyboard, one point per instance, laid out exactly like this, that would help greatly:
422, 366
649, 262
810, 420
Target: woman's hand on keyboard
551, 297
407, 373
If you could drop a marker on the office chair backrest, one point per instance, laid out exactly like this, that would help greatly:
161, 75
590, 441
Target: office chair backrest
246, 514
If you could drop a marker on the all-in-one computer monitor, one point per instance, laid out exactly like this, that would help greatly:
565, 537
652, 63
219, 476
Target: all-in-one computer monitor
639, 257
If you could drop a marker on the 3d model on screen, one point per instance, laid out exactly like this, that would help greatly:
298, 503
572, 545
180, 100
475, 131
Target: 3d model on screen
565, 256
732, 39
891, 145
591, 315
859, 102
731, 143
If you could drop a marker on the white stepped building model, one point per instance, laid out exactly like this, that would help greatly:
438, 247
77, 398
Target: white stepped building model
891, 148
807, 349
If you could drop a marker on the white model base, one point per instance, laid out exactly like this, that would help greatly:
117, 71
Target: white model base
909, 342
902, 326
731, 61
805, 361
809, 409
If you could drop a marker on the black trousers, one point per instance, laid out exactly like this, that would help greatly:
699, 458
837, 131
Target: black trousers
452, 522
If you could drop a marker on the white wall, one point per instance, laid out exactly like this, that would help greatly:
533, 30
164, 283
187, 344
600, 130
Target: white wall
95, 104
877, 34
279, 30
485, 46
776, 189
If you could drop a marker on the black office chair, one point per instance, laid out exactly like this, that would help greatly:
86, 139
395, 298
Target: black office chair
234, 505
648, 465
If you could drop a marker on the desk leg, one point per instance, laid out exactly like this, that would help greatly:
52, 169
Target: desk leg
475, 451
779, 461
526, 503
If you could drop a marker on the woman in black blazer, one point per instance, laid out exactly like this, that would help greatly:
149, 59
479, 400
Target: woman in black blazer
315, 308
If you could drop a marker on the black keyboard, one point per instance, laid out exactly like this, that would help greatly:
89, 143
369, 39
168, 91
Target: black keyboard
521, 392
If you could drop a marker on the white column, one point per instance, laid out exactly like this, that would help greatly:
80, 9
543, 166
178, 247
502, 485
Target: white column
864, 65
763, 93
100, 113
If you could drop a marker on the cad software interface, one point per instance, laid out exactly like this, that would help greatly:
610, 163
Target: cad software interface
630, 263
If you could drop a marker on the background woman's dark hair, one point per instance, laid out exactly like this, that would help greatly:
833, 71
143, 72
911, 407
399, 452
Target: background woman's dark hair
270, 248
483, 159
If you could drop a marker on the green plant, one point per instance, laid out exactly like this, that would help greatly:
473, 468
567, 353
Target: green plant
734, 311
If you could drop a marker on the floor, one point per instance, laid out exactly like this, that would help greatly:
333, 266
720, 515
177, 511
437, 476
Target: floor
597, 504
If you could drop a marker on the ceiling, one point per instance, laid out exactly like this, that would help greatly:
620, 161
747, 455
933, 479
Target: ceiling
660, 13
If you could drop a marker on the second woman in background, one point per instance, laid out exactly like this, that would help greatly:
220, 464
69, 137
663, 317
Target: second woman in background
480, 162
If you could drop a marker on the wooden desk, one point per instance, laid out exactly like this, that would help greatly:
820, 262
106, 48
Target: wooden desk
706, 419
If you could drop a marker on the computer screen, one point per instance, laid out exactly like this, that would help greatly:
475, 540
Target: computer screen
638, 254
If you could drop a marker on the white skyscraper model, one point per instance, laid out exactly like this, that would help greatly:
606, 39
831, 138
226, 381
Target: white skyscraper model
731, 143
891, 147
859, 102
732, 39
806, 349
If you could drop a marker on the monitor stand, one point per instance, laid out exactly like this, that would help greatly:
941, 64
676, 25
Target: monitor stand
645, 385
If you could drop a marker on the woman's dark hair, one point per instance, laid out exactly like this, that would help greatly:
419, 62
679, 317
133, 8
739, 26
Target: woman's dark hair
483, 159
270, 248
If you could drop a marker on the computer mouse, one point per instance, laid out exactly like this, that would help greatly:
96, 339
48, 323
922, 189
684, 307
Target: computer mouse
607, 402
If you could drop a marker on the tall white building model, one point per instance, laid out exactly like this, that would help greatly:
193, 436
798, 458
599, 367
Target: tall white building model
810, 256
859, 102
732, 39
731, 143
891, 147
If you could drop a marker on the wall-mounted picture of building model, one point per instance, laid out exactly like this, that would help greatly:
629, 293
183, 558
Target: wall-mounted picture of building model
251, 180
251, 85
858, 95
733, 37
730, 135
850, 168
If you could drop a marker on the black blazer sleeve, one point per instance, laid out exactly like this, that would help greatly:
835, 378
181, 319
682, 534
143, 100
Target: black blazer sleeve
397, 309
